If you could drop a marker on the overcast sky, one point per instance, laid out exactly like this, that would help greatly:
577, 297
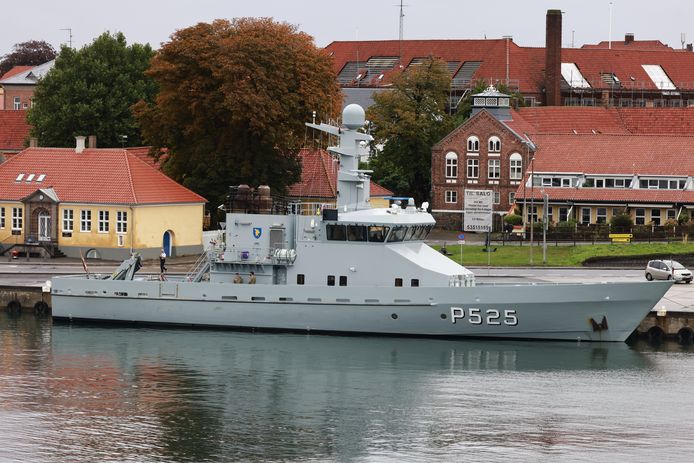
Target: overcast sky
153, 21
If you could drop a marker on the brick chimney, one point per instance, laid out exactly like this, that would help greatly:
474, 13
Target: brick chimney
628, 38
33, 142
92, 141
79, 144
553, 59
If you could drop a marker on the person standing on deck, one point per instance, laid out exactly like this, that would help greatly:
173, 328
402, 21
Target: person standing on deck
251, 278
162, 261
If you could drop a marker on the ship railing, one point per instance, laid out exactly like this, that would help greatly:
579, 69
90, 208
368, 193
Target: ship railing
201, 266
274, 256
309, 208
461, 280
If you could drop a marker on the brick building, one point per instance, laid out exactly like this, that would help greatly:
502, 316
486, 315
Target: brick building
483, 153
19, 83
628, 73
591, 163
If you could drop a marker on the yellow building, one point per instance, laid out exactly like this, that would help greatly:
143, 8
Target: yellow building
100, 203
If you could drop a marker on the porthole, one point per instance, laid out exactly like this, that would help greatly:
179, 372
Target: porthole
443, 316
394, 316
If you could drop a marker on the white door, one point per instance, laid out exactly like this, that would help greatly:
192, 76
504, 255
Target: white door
44, 226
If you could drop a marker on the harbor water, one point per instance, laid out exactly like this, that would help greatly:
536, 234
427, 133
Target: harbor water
76, 393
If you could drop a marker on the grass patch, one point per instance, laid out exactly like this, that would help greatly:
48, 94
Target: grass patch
560, 256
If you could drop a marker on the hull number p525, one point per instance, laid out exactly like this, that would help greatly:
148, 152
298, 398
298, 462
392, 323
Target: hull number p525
476, 316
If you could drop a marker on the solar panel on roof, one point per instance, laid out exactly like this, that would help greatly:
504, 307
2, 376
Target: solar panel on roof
380, 64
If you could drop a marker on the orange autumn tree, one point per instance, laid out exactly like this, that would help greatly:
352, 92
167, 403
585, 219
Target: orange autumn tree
233, 99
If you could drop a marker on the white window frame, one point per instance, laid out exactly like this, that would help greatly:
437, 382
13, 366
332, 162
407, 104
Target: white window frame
494, 169
473, 144
583, 210
640, 219
599, 216
496, 197
85, 220
658, 217
451, 196
512, 197
68, 220
17, 218
473, 168
563, 211
17, 103
451, 165
103, 221
121, 221
494, 144
516, 166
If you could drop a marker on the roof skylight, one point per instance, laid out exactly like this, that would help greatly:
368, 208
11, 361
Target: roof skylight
41, 177
658, 76
30, 177
572, 75
19, 178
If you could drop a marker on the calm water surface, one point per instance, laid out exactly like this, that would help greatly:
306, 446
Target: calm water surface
108, 394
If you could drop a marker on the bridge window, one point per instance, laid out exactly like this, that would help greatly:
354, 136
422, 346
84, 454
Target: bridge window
356, 232
414, 282
343, 280
398, 282
398, 234
300, 279
377, 233
336, 232
331, 280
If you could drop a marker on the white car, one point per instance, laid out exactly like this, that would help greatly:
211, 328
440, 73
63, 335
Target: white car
667, 270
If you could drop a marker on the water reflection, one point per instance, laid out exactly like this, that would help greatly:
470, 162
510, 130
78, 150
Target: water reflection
117, 394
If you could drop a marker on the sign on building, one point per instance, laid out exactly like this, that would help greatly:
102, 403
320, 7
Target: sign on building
478, 210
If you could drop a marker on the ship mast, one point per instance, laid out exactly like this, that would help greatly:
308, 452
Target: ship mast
353, 184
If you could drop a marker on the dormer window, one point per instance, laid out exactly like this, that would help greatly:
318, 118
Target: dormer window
494, 144
473, 144
451, 165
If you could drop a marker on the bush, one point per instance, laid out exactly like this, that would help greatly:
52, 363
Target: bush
621, 222
513, 219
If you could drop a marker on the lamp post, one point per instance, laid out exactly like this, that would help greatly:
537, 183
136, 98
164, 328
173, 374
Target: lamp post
545, 224
529, 145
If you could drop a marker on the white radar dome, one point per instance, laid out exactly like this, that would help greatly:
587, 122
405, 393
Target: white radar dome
353, 116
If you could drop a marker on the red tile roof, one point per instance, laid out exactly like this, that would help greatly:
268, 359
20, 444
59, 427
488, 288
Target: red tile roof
615, 154
526, 64
14, 129
612, 195
319, 177
143, 153
589, 120
639, 45
97, 176
15, 70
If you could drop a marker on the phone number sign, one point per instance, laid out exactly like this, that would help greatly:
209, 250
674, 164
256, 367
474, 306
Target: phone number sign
478, 210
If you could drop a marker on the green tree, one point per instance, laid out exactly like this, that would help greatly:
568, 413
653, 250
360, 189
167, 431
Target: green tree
90, 92
233, 101
31, 53
409, 120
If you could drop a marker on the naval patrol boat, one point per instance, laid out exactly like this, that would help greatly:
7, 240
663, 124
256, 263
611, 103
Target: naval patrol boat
348, 268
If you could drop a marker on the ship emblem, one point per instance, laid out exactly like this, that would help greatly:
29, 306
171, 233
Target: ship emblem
257, 231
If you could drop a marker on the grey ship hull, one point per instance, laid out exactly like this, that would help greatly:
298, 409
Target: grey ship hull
589, 312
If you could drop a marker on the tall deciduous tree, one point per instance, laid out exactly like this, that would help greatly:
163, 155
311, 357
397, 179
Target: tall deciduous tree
234, 96
90, 92
31, 53
409, 120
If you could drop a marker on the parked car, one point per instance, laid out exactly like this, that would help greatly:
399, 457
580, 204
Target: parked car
667, 270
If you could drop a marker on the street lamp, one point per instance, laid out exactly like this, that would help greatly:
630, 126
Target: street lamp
529, 145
